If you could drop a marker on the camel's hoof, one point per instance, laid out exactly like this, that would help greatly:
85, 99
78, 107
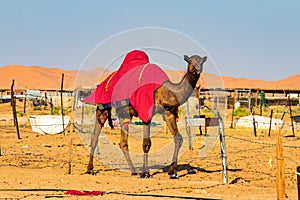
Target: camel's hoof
145, 175
88, 172
91, 172
173, 176
134, 173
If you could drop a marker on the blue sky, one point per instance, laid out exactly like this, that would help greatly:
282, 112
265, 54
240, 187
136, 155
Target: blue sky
250, 39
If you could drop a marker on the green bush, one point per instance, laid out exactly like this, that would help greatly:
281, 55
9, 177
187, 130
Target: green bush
20, 113
241, 112
55, 110
296, 111
36, 108
207, 113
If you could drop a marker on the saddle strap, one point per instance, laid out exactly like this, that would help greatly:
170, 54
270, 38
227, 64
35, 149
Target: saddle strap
140, 76
107, 83
142, 71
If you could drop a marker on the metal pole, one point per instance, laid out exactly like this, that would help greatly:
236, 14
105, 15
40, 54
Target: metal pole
188, 127
223, 149
222, 144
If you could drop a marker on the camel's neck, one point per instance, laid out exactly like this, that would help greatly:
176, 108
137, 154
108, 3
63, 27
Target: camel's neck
186, 87
188, 83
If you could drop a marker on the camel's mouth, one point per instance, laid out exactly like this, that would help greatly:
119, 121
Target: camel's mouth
198, 71
196, 63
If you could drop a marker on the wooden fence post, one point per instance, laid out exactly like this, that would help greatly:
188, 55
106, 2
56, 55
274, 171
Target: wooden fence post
69, 170
233, 108
260, 105
298, 180
291, 114
25, 99
280, 181
250, 99
82, 113
253, 119
61, 102
282, 115
256, 98
270, 127
13, 105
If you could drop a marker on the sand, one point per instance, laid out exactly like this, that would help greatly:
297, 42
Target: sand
36, 77
39, 162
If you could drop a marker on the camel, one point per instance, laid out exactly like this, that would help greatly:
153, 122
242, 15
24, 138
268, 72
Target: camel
168, 97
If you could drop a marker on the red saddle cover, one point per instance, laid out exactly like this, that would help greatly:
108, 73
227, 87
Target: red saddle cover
136, 80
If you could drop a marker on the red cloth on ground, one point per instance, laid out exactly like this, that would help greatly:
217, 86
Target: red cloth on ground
136, 80
84, 193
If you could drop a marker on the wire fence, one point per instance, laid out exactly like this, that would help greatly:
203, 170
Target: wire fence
254, 160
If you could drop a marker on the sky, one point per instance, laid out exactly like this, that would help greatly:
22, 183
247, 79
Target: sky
258, 39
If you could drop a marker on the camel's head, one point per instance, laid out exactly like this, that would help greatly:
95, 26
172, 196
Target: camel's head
195, 63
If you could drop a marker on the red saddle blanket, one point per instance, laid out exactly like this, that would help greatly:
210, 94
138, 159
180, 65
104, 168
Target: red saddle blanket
135, 81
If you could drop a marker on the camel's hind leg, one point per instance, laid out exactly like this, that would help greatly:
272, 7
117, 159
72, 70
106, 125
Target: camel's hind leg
101, 117
171, 123
125, 119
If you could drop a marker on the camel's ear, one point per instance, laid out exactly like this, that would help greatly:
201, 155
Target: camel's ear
204, 59
187, 59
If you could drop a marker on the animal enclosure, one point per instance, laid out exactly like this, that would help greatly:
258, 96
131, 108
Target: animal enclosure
40, 161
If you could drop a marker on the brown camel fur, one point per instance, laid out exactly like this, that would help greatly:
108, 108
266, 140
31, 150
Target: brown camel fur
168, 98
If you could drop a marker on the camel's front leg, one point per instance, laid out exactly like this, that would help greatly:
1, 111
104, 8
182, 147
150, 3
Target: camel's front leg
171, 123
146, 148
101, 116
